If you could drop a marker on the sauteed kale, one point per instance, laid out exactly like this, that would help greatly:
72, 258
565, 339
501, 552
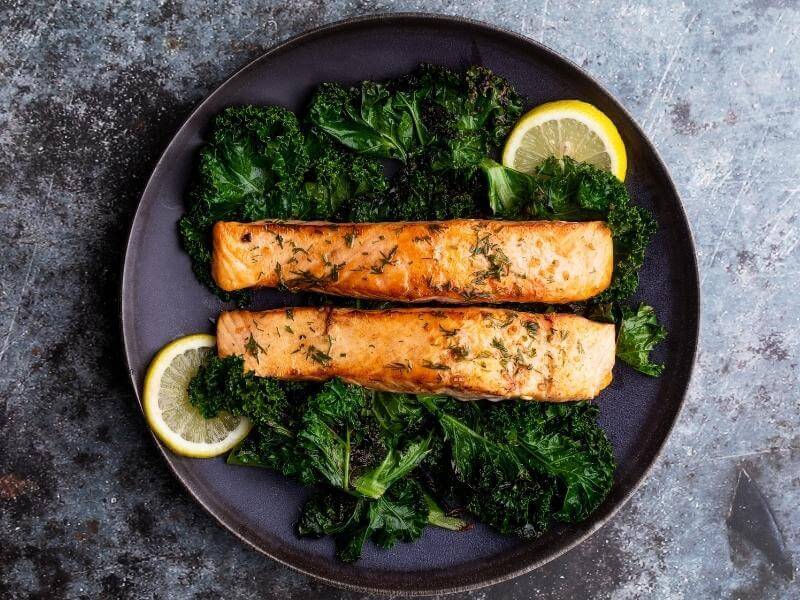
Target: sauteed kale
385, 464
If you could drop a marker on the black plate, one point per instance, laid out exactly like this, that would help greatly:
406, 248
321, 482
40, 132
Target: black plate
161, 300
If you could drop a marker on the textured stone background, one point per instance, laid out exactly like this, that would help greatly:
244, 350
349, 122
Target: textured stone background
90, 93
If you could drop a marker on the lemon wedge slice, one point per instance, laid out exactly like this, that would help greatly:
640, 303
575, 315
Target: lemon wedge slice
177, 423
566, 128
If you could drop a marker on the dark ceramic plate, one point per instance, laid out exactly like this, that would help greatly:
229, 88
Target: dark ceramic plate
161, 300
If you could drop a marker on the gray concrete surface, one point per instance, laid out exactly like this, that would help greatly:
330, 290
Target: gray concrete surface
90, 92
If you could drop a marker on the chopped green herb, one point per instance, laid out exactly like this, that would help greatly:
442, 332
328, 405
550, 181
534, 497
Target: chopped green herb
400, 366
317, 355
532, 327
435, 366
458, 352
447, 332
386, 259
499, 263
498, 344
252, 347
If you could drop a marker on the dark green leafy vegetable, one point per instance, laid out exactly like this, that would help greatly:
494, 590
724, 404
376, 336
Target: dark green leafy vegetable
397, 463
566, 190
453, 119
370, 119
468, 115
437, 516
399, 516
330, 427
548, 461
639, 332
521, 506
223, 385
337, 177
329, 513
384, 462
253, 165
438, 122
384, 465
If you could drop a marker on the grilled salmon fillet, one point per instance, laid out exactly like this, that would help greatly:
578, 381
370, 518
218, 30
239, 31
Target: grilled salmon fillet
465, 352
459, 261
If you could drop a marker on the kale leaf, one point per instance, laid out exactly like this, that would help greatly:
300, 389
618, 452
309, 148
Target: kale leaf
330, 427
370, 119
222, 385
545, 461
454, 119
252, 166
397, 463
336, 178
384, 462
639, 332
468, 114
564, 442
438, 122
438, 517
398, 516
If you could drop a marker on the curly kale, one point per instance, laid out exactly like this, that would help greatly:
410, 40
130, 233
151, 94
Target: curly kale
467, 114
398, 516
437, 122
386, 463
421, 195
222, 385
370, 119
546, 461
336, 178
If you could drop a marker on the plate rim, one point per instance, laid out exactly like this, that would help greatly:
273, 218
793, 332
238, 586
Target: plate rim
126, 316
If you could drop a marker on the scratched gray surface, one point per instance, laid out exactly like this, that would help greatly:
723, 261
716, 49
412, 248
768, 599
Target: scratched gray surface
89, 94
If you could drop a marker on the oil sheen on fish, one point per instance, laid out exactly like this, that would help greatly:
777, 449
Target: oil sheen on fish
465, 352
460, 261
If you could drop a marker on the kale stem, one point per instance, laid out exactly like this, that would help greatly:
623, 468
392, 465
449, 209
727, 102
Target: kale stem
346, 478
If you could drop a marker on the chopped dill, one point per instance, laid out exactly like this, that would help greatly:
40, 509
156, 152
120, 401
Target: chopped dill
386, 259
252, 347
400, 366
448, 332
458, 352
317, 355
532, 327
498, 344
435, 366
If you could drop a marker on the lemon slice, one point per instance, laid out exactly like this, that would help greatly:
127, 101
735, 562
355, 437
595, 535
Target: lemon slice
170, 414
566, 128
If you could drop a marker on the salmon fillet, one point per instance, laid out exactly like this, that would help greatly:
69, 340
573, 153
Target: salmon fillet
465, 352
458, 261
